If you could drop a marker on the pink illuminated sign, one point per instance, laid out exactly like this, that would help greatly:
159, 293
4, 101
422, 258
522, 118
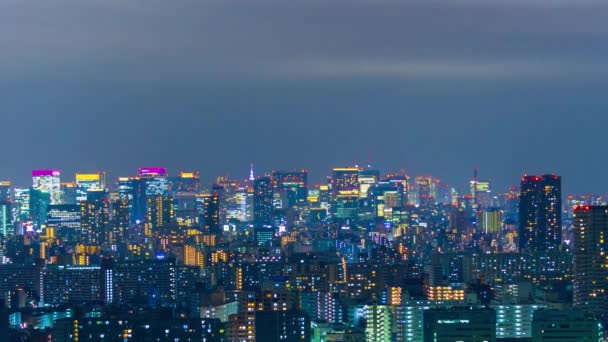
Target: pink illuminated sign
42, 173
152, 171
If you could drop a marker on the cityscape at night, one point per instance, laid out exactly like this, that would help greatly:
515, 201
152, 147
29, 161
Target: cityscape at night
363, 256
303, 170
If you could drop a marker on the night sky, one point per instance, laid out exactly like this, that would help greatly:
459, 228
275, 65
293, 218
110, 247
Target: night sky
440, 87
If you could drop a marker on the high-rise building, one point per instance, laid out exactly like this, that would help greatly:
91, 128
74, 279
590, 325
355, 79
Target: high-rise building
292, 186
590, 254
540, 216
6, 218
160, 212
426, 191
186, 182
378, 327
88, 181
68, 193
262, 202
210, 218
95, 221
5, 191
39, 202
156, 181
48, 181
367, 179
345, 192
491, 220
21, 210
64, 216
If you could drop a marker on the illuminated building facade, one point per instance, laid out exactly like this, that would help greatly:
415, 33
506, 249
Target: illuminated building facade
39, 202
95, 221
378, 327
210, 218
540, 218
6, 219
426, 191
345, 192
5, 191
160, 212
22, 204
86, 182
459, 324
590, 254
262, 202
491, 220
292, 186
48, 181
189, 181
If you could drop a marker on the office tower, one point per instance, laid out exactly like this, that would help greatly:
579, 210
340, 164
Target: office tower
262, 202
88, 181
459, 324
292, 186
160, 212
367, 179
540, 216
426, 191
186, 182
68, 193
95, 221
66, 220
385, 197
286, 326
120, 217
132, 190
6, 218
152, 181
481, 192
22, 204
64, 216
345, 192
48, 181
5, 191
491, 220
590, 278
565, 326
39, 202
156, 181
210, 218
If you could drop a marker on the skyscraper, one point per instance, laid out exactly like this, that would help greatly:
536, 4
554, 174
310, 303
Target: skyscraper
590, 279
6, 219
48, 181
262, 202
5, 191
211, 212
426, 194
88, 181
345, 192
540, 216
292, 186
159, 213
39, 202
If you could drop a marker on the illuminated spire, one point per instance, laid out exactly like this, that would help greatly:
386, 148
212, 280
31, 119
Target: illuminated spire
251, 177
